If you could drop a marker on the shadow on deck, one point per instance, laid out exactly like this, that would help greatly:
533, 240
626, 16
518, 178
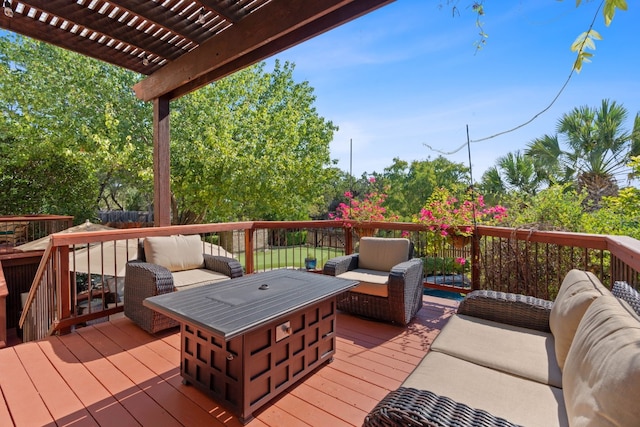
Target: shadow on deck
115, 374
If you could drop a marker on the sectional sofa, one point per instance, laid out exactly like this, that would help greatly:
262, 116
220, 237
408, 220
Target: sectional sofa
507, 360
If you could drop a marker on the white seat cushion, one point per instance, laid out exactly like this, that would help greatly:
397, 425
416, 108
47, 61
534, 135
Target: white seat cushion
518, 400
371, 282
196, 277
511, 349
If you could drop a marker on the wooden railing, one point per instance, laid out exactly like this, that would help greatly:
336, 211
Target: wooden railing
70, 289
18, 229
4, 291
534, 262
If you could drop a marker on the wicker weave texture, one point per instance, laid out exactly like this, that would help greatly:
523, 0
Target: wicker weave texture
141, 281
624, 291
340, 265
404, 290
412, 407
513, 309
225, 265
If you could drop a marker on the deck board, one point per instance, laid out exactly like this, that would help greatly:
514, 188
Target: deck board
115, 374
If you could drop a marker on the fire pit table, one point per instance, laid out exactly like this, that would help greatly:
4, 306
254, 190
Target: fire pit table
246, 340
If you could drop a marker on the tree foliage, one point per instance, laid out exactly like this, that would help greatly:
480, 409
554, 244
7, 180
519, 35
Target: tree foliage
70, 127
586, 40
619, 215
558, 207
411, 184
513, 173
590, 148
250, 146
41, 178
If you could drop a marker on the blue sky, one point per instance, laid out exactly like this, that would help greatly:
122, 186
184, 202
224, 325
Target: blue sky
408, 75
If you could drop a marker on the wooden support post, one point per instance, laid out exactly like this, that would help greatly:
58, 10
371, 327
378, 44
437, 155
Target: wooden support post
64, 279
161, 163
348, 240
248, 250
475, 260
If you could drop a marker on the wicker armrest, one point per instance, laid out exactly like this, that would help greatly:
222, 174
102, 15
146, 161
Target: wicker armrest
406, 274
147, 279
143, 280
408, 268
225, 265
412, 407
513, 309
342, 264
406, 284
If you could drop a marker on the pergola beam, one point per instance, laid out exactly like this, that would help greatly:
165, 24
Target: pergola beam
257, 36
301, 34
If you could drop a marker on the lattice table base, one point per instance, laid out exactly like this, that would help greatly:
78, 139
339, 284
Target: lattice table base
248, 371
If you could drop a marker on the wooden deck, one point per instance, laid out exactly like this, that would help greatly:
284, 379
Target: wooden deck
115, 374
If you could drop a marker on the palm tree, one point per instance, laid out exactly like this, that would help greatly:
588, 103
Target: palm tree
598, 150
513, 174
519, 173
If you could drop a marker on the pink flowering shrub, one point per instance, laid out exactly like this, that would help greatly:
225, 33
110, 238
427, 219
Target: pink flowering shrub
445, 214
366, 210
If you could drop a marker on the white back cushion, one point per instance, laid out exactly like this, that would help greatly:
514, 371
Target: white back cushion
601, 378
176, 253
578, 290
377, 253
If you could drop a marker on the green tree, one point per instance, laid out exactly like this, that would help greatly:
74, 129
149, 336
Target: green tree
82, 112
493, 186
558, 207
513, 173
619, 215
597, 149
45, 179
412, 184
250, 146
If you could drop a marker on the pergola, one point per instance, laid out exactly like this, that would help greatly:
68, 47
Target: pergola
178, 45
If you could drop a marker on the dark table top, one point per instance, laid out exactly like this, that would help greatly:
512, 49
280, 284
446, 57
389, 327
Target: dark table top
236, 306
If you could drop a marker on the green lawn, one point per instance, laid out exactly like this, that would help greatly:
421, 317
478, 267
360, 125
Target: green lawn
289, 257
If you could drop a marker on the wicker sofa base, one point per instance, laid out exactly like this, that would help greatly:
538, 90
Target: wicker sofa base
410, 407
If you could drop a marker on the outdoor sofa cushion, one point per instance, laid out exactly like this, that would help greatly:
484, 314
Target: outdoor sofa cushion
371, 282
519, 400
577, 292
175, 253
482, 370
382, 254
376, 257
602, 372
186, 279
511, 349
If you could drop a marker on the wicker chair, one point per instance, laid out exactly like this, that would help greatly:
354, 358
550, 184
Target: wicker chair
391, 282
145, 279
13, 233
